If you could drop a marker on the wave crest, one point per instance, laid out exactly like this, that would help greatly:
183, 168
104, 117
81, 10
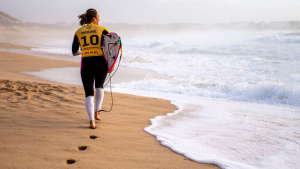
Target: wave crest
271, 93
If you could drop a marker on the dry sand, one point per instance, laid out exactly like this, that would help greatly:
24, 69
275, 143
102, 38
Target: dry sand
44, 124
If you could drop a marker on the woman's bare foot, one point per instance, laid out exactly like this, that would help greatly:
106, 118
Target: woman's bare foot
97, 115
92, 124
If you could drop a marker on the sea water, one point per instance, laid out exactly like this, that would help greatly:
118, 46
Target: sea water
237, 93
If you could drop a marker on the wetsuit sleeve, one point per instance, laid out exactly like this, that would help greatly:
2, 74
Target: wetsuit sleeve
105, 31
75, 46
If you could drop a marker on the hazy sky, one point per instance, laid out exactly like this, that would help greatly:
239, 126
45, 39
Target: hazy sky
154, 11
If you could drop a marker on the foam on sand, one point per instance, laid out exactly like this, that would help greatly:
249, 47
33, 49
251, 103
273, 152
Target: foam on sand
232, 135
227, 133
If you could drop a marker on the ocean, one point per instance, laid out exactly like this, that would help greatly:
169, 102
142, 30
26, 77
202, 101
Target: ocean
237, 92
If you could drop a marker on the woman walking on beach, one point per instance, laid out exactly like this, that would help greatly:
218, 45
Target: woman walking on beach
93, 65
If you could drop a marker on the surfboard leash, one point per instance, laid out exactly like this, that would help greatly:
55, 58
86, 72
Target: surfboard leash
112, 99
109, 81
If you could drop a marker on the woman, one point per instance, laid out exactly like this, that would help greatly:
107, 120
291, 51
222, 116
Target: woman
93, 65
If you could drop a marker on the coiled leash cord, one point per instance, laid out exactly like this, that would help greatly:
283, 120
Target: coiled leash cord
108, 79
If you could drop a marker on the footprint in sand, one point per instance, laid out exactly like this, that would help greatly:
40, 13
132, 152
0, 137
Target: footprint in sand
93, 137
81, 148
71, 161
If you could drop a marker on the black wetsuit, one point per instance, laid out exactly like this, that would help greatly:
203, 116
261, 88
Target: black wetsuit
93, 68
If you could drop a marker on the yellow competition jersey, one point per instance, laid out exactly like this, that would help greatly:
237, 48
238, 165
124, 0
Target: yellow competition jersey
90, 38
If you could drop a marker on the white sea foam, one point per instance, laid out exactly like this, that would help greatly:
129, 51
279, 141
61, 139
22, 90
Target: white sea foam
280, 37
271, 93
61, 47
232, 135
56, 50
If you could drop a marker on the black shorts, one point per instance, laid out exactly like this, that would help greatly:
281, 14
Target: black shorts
93, 69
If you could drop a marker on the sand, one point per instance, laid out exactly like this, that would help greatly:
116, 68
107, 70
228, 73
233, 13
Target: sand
44, 124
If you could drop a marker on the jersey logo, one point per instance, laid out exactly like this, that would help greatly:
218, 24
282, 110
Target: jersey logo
89, 27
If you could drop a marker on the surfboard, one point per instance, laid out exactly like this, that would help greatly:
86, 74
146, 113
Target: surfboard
111, 48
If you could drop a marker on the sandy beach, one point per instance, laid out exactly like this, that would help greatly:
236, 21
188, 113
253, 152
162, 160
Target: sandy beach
44, 124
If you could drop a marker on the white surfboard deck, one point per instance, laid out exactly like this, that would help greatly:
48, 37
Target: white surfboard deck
111, 49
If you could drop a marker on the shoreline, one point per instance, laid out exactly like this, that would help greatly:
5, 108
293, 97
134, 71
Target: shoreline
43, 117
124, 74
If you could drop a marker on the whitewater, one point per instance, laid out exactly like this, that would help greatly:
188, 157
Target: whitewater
237, 93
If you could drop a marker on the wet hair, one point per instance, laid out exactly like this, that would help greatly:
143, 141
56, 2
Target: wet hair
87, 17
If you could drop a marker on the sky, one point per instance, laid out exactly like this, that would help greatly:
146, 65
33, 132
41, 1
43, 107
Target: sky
154, 11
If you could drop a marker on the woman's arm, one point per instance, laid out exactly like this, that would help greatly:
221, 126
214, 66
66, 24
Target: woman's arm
75, 46
105, 31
